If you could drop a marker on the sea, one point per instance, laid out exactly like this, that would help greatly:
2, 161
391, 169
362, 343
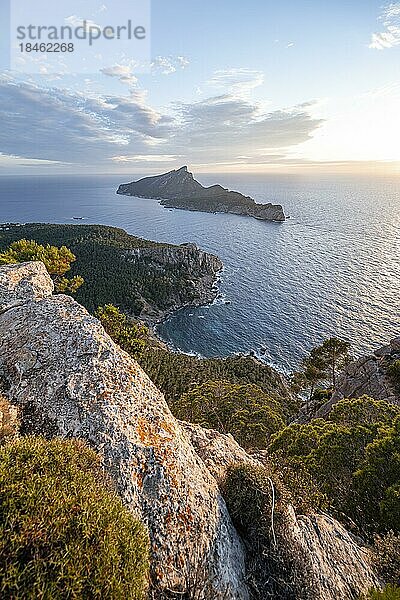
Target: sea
332, 269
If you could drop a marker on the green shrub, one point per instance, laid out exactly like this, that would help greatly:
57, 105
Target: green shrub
364, 411
130, 336
245, 411
389, 593
305, 493
56, 260
175, 374
353, 457
377, 481
394, 372
64, 533
278, 566
248, 494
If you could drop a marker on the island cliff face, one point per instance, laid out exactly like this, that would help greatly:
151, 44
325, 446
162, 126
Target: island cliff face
179, 189
199, 268
148, 280
69, 379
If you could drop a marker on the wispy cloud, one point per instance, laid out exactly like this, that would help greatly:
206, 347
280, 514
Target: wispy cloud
390, 37
41, 124
237, 82
122, 72
76, 21
226, 127
146, 158
166, 65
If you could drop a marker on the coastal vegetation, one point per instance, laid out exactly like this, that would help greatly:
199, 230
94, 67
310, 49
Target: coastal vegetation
390, 592
58, 261
64, 532
394, 373
142, 278
245, 411
347, 463
320, 367
129, 335
353, 457
258, 502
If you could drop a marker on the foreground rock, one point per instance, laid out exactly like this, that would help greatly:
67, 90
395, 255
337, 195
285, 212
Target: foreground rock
339, 567
179, 189
368, 376
327, 563
21, 283
69, 379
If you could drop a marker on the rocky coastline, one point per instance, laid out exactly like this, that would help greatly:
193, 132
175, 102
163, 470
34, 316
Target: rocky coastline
148, 280
205, 268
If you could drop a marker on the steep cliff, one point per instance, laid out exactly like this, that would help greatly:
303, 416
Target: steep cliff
371, 376
199, 268
179, 189
69, 379
146, 279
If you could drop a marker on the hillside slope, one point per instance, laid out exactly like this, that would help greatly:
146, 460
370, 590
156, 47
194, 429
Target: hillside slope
145, 279
69, 379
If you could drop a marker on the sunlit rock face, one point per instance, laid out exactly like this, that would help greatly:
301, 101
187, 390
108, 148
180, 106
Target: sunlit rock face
369, 376
69, 379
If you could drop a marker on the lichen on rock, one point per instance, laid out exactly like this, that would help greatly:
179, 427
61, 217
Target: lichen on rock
69, 379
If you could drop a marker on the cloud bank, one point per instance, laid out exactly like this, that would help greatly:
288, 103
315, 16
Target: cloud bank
42, 124
390, 37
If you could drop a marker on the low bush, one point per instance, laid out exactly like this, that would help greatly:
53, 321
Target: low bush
278, 567
245, 411
353, 457
394, 372
389, 593
64, 533
130, 336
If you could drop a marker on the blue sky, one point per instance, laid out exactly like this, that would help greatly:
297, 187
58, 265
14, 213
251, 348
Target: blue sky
234, 86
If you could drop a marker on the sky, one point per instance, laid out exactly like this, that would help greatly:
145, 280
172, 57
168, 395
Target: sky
228, 86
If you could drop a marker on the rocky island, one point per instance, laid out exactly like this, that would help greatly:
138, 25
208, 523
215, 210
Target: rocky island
179, 189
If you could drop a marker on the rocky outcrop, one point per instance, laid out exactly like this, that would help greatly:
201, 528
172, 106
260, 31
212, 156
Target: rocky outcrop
199, 287
368, 376
217, 451
147, 280
22, 283
336, 564
179, 189
339, 567
69, 379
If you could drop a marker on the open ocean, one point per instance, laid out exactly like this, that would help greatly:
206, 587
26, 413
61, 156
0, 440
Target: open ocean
331, 269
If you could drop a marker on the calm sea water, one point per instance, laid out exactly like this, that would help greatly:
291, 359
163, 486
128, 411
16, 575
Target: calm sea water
331, 269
